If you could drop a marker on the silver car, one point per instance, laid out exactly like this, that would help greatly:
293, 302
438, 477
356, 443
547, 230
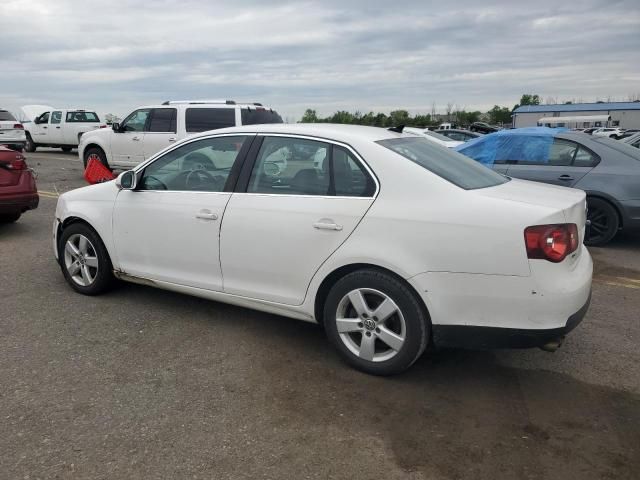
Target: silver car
607, 170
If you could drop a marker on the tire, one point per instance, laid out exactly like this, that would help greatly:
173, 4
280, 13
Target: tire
98, 276
97, 152
406, 319
9, 217
603, 222
66, 149
30, 146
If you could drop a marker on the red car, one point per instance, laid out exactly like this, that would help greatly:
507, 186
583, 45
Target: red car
18, 192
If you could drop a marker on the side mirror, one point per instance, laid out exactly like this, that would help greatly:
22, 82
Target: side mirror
115, 126
126, 180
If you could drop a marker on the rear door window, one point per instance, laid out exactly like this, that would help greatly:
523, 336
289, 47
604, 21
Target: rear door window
561, 152
82, 117
56, 117
162, 120
585, 158
203, 119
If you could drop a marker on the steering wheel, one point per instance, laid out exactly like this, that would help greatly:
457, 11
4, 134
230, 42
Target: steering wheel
160, 183
202, 175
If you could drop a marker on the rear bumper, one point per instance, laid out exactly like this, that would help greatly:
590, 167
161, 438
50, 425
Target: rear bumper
472, 337
18, 203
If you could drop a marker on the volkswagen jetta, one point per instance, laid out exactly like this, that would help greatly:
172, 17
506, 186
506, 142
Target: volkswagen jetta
393, 243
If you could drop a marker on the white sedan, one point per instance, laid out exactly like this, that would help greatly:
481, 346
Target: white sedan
394, 244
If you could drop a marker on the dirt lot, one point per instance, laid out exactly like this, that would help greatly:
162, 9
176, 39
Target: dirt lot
142, 383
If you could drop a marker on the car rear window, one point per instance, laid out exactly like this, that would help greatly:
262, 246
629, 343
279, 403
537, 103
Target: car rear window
254, 116
6, 116
452, 166
619, 146
203, 119
82, 117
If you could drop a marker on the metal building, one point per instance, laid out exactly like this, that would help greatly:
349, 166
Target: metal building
620, 114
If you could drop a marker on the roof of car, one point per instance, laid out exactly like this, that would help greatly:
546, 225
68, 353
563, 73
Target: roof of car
332, 131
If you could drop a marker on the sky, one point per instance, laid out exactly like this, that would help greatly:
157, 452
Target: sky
116, 55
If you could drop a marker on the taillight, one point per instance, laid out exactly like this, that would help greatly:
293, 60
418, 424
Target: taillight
17, 163
18, 126
103, 126
551, 242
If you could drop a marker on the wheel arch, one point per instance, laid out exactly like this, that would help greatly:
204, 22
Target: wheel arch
340, 272
91, 145
73, 219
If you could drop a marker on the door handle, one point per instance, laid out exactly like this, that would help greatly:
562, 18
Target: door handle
135, 139
44, 127
204, 215
328, 225
172, 139
566, 178
57, 127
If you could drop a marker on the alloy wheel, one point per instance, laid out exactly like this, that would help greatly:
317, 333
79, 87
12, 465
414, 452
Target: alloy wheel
80, 260
371, 325
599, 224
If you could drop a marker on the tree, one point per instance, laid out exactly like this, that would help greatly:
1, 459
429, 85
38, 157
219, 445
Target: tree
529, 99
309, 116
499, 115
399, 117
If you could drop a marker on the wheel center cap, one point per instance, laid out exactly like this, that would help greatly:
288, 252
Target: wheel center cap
369, 324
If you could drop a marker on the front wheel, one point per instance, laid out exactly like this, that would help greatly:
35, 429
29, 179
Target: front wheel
84, 260
376, 322
95, 154
603, 222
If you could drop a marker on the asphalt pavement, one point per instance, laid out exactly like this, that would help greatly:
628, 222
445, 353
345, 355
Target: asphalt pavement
144, 383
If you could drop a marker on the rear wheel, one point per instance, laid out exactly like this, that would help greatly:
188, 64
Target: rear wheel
95, 154
30, 146
9, 217
84, 260
376, 322
603, 222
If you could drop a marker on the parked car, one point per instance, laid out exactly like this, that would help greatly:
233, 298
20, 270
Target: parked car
147, 130
433, 137
607, 170
633, 140
18, 192
394, 244
11, 131
458, 134
607, 132
58, 127
482, 127
589, 131
627, 134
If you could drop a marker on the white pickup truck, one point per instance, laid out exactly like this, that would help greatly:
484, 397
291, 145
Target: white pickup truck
57, 127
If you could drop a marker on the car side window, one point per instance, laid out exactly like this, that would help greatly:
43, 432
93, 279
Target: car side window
56, 117
585, 158
349, 177
203, 119
44, 118
136, 121
291, 166
561, 152
162, 120
203, 166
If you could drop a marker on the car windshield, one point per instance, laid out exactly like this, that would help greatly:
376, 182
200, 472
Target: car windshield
254, 116
452, 166
436, 135
6, 116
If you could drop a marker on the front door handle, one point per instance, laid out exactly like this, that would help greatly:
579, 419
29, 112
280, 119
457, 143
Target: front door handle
57, 127
326, 224
135, 139
206, 215
566, 178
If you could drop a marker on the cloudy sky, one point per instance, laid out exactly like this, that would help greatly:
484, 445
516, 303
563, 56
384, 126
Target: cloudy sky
114, 55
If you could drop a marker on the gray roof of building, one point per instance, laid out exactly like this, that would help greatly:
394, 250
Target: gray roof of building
578, 107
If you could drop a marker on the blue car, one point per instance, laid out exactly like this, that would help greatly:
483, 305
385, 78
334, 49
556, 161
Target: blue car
607, 170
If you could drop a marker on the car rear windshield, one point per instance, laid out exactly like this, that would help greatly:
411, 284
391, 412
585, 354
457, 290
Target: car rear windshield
452, 166
82, 117
254, 116
6, 116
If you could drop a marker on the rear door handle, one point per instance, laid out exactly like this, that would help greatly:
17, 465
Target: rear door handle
172, 139
206, 215
327, 225
57, 127
566, 178
135, 139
